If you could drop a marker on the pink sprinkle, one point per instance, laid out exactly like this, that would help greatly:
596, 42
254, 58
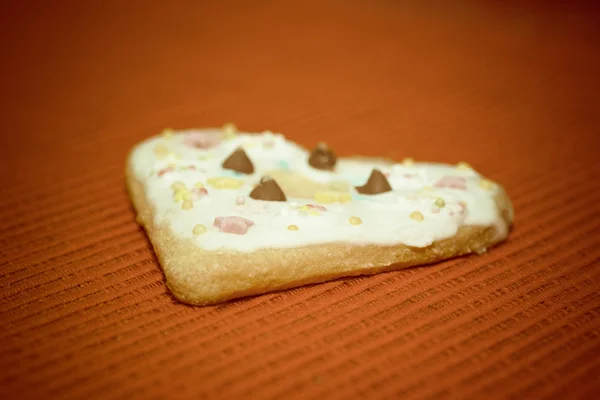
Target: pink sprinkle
192, 167
317, 206
435, 210
164, 171
199, 192
202, 140
235, 225
408, 176
452, 182
240, 200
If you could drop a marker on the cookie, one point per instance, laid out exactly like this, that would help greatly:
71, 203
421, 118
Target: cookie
233, 214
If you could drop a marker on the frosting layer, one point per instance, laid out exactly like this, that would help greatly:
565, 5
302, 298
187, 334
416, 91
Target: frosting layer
191, 191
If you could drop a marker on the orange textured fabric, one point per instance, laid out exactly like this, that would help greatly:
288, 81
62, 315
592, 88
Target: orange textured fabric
510, 88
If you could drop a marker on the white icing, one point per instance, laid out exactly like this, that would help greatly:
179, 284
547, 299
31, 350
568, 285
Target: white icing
385, 217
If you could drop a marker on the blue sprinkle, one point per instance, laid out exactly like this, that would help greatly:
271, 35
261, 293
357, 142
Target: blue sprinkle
284, 165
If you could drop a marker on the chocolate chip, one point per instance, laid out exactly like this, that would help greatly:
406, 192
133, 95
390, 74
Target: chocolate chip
377, 183
239, 161
268, 190
322, 157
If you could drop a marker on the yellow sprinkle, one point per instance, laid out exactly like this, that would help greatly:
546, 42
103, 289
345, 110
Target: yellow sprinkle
417, 216
177, 185
187, 204
486, 184
355, 221
172, 165
293, 227
199, 229
161, 151
304, 208
203, 158
167, 133
199, 185
225, 183
229, 130
181, 194
425, 189
439, 202
463, 165
332, 197
176, 156
408, 161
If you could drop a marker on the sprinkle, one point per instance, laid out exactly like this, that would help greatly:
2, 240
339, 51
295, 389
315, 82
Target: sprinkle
177, 185
187, 204
198, 192
225, 183
452, 182
293, 227
199, 229
417, 216
161, 151
181, 195
240, 200
439, 202
229, 130
233, 224
164, 171
199, 185
167, 133
463, 165
284, 165
355, 221
332, 197
312, 209
435, 210
172, 165
408, 161
486, 184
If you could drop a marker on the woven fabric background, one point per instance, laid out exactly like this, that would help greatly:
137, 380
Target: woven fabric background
511, 87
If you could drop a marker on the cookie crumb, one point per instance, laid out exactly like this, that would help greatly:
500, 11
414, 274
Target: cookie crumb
293, 227
417, 216
355, 220
439, 202
199, 229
